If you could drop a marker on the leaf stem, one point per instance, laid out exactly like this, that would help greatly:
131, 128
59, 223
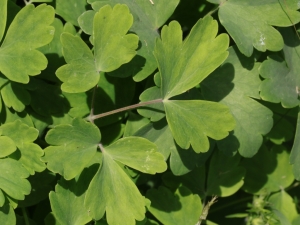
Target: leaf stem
93, 117
25, 216
215, 209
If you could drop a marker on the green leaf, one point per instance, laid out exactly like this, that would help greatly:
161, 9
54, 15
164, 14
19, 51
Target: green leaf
3, 13
225, 176
193, 61
80, 74
147, 19
137, 153
112, 48
13, 94
29, 30
12, 179
283, 202
295, 152
156, 111
213, 120
272, 171
7, 215
7, 146
180, 208
234, 84
134, 123
70, 10
73, 147
277, 71
118, 194
250, 23
41, 185
28, 153
67, 202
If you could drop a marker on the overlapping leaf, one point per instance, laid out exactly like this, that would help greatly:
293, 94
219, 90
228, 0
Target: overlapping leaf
28, 153
249, 22
271, 173
234, 84
73, 147
295, 153
193, 62
112, 48
282, 79
3, 13
118, 194
30, 29
70, 10
183, 207
12, 179
147, 19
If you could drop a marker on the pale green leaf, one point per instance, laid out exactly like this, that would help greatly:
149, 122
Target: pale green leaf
70, 10
112, 46
12, 179
249, 22
134, 123
282, 80
3, 13
284, 203
67, 202
7, 146
137, 153
295, 152
2, 198
73, 146
182, 207
118, 194
194, 59
29, 30
147, 18
272, 171
155, 111
28, 153
193, 121
234, 84
225, 176
80, 74
7, 215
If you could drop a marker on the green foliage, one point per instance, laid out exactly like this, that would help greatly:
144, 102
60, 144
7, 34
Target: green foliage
149, 112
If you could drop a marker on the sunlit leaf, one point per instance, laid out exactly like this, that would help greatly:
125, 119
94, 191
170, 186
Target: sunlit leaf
3, 13
180, 208
250, 23
73, 146
29, 30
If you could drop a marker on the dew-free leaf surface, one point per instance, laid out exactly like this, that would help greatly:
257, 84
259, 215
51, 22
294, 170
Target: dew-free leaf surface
12, 179
282, 79
112, 48
250, 22
213, 120
73, 146
271, 172
28, 153
234, 84
181, 207
147, 19
111, 184
30, 29
193, 60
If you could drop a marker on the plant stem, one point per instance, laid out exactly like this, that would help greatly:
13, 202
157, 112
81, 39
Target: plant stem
93, 104
215, 209
25, 216
93, 117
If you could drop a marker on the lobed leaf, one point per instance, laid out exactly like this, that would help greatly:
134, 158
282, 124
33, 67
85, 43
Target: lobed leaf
249, 22
28, 153
3, 13
7, 215
182, 65
282, 80
235, 84
182, 207
213, 120
30, 29
74, 145
12, 179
